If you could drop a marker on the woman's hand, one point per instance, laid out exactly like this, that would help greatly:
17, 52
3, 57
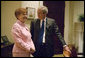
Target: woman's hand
32, 50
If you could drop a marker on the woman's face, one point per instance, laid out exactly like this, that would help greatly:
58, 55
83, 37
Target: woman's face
23, 17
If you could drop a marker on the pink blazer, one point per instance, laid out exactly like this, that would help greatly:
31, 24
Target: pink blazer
22, 39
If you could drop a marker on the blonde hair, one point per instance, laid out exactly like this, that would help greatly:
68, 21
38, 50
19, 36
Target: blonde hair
44, 9
20, 11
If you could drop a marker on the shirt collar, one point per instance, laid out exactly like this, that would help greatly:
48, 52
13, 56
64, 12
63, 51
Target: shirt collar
44, 19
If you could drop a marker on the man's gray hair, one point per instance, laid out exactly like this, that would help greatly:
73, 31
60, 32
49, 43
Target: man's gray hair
44, 9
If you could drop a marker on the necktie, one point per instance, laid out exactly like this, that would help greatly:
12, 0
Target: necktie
41, 33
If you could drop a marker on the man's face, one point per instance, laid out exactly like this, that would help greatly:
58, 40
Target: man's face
40, 14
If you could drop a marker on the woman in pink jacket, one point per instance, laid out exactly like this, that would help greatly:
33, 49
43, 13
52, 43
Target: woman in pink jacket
23, 44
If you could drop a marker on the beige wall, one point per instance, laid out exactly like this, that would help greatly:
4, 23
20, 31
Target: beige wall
33, 4
66, 21
78, 9
7, 17
72, 10
7, 14
69, 8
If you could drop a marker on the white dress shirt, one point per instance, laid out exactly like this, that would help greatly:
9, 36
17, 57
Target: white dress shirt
44, 28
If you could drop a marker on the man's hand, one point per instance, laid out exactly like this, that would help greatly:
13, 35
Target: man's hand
66, 51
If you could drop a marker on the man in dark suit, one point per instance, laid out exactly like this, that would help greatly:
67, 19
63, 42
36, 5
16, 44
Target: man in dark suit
42, 30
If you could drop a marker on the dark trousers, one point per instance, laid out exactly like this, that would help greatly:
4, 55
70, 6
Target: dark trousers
43, 51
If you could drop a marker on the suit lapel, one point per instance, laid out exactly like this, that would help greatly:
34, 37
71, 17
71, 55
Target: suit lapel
38, 25
47, 23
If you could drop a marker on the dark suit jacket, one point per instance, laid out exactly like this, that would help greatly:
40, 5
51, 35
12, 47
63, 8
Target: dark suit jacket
51, 29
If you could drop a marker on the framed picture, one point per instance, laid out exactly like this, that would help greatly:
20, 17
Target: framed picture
30, 12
